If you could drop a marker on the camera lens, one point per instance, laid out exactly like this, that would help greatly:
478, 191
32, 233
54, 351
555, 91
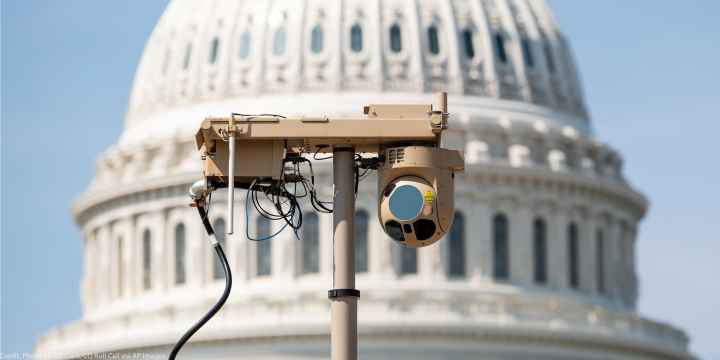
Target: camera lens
406, 202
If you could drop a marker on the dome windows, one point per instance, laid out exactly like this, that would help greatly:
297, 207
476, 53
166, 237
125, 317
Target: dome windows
456, 247
356, 38
220, 235
539, 251
262, 256
468, 39
408, 261
317, 39
527, 52
180, 267
395, 38
433, 40
573, 256
214, 48
501, 249
245, 43
600, 260
147, 260
361, 241
500, 51
310, 244
279, 42
549, 58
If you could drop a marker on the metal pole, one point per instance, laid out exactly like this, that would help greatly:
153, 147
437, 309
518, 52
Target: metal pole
343, 296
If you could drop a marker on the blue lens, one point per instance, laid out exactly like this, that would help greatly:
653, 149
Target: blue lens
406, 202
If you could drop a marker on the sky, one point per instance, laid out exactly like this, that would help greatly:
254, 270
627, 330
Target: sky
650, 68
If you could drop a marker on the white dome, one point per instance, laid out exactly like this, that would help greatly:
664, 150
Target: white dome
542, 265
210, 51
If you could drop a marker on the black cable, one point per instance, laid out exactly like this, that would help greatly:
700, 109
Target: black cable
223, 298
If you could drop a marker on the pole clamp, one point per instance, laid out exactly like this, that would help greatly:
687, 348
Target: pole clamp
337, 293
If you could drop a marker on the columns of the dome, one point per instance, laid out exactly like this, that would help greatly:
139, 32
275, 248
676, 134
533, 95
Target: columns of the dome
517, 64
479, 243
120, 257
376, 30
588, 256
632, 243
540, 79
628, 265
614, 269
416, 55
482, 21
103, 285
453, 55
521, 245
89, 271
337, 35
557, 250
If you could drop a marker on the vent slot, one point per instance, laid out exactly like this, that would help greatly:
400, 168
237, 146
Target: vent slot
400, 156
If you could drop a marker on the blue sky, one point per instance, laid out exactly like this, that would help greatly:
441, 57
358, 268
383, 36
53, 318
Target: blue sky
650, 69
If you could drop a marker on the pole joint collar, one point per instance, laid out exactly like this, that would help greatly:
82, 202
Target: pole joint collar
337, 293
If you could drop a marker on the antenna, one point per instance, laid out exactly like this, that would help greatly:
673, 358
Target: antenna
231, 176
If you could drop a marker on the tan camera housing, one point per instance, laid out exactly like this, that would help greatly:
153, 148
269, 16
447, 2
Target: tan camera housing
431, 171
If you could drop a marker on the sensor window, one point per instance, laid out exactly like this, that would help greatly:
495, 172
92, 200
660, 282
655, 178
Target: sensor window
394, 229
406, 202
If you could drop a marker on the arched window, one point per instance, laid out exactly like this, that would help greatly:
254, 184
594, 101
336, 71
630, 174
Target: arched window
310, 244
214, 48
263, 255
317, 39
120, 267
540, 251
433, 40
527, 53
147, 259
361, 241
188, 56
456, 247
408, 260
356, 38
395, 38
501, 250
500, 51
245, 43
468, 43
549, 59
180, 257
219, 227
279, 42
573, 261
600, 260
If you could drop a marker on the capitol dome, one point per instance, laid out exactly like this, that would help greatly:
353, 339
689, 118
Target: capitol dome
539, 264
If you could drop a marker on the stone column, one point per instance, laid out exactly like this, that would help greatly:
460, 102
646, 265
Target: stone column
159, 254
89, 270
632, 243
103, 283
588, 267
557, 250
521, 269
613, 270
479, 241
